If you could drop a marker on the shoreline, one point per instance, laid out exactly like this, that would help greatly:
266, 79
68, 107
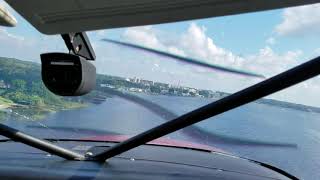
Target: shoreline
37, 112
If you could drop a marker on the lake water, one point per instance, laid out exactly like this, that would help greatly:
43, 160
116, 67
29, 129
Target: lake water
253, 121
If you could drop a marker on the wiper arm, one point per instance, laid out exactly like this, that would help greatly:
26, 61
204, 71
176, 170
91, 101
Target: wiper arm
279, 82
46, 146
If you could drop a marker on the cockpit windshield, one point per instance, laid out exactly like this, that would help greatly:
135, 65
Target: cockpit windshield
138, 88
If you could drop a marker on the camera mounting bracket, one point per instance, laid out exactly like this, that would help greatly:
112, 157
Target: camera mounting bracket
78, 44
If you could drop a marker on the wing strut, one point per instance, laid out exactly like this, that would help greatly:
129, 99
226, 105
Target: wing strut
46, 146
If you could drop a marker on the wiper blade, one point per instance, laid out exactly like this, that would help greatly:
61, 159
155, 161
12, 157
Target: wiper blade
279, 82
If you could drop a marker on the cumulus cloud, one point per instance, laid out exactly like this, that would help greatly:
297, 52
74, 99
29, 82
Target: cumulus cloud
198, 44
10, 41
270, 63
271, 41
28, 48
101, 32
147, 36
317, 51
303, 20
194, 42
144, 35
25, 44
4, 34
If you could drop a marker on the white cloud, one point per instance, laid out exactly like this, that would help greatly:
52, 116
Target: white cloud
271, 41
266, 61
10, 41
317, 51
102, 32
303, 20
98, 34
4, 34
269, 63
143, 35
147, 36
28, 48
196, 43
175, 50
23, 42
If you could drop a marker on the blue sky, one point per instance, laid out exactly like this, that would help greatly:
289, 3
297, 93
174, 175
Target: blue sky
243, 34
265, 42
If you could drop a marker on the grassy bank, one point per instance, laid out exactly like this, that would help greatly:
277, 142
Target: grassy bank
63, 106
37, 111
31, 113
4, 103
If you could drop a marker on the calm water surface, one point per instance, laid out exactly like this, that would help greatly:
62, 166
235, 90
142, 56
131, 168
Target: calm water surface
253, 121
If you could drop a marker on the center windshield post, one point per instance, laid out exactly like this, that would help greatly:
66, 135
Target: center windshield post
279, 82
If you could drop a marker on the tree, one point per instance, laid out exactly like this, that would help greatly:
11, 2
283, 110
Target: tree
155, 89
204, 93
171, 90
19, 84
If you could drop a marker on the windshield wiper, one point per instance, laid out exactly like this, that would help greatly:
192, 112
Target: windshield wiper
279, 82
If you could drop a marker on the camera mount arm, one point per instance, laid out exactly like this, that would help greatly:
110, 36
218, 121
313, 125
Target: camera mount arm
78, 44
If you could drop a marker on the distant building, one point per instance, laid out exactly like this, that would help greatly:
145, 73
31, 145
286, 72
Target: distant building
134, 80
220, 94
193, 92
161, 85
164, 91
135, 90
146, 82
24, 102
208, 94
107, 85
3, 85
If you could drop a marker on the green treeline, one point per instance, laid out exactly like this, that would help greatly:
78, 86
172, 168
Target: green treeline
20, 82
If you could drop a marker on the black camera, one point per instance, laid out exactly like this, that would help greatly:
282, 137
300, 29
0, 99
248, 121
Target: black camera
67, 74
